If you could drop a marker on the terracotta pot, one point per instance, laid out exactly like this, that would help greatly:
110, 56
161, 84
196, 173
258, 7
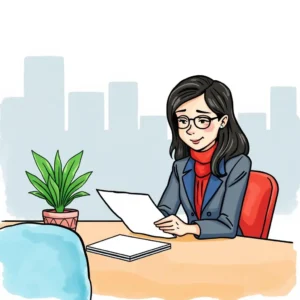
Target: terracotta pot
67, 219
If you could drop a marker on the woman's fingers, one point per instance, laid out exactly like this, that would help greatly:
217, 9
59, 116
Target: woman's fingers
163, 226
164, 220
171, 231
166, 224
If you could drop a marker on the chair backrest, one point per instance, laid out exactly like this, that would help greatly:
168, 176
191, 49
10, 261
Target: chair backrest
44, 261
259, 204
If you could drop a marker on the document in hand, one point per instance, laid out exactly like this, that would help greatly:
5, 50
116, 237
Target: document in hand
137, 211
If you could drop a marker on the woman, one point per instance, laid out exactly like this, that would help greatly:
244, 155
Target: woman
211, 171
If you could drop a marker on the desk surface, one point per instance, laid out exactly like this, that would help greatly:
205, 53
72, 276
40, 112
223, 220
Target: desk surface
221, 268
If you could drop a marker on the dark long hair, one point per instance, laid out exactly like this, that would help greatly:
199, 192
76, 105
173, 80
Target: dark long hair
231, 139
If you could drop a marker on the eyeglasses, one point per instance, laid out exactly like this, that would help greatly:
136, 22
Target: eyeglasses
201, 122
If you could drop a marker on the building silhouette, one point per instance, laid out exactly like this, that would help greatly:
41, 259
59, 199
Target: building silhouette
123, 107
86, 113
285, 145
275, 151
254, 126
124, 157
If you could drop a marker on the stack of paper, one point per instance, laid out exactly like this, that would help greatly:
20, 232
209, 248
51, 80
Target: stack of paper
127, 248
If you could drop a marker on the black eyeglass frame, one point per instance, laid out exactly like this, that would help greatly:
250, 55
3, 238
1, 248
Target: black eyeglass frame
193, 119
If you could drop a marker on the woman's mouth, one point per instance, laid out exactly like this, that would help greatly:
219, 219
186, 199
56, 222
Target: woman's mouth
195, 142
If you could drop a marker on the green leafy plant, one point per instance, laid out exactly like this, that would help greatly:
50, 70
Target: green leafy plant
58, 187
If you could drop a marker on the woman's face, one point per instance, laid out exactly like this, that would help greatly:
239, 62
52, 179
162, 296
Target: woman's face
201, 133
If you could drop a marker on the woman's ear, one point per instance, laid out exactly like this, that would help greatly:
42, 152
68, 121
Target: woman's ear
223, 121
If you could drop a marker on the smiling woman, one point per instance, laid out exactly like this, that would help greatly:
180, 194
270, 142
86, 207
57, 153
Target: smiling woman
211, 168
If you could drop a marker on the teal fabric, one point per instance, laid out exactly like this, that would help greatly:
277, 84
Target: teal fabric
41, 261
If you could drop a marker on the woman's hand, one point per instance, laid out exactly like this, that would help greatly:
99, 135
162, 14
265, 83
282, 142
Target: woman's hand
173, 225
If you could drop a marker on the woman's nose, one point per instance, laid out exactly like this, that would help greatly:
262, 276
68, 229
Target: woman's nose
191, 130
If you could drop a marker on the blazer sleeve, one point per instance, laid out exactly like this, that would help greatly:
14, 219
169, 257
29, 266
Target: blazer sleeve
170, 200
226, 225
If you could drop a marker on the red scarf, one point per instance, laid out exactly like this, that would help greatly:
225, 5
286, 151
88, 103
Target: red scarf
202, 172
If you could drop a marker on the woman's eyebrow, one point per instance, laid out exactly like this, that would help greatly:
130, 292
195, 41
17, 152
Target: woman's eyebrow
202, 112
180, 110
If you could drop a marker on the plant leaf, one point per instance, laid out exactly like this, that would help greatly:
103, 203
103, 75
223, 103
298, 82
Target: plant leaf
40, 195
76, 195
54, 190
37, 194
69, 171
76, 185
40, 186
58, 169
43, 165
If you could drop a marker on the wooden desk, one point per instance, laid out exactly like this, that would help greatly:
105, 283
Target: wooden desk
222, 268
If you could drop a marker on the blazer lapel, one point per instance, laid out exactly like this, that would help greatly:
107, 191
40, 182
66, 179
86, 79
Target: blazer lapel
188, 179
189, 183
213, 185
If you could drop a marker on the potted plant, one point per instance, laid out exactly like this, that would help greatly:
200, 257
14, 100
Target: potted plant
59, 188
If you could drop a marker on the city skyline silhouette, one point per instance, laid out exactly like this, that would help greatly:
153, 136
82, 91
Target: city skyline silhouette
124, 157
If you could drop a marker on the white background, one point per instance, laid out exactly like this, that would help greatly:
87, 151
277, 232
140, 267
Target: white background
248, 45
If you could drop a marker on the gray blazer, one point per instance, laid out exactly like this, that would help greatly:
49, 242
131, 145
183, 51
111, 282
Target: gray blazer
222, 201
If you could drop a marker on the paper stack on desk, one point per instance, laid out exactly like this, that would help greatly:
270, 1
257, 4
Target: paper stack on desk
137, 211
127, 248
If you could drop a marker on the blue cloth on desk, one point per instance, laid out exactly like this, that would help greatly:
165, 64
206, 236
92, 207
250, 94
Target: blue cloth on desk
41, 261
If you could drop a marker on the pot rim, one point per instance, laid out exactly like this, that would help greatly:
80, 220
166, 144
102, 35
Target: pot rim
67, 210
68, 213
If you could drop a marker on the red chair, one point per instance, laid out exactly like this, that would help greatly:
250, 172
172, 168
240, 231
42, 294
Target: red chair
259, 204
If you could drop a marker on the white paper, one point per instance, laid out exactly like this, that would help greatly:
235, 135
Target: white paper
137, 211
127, 246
